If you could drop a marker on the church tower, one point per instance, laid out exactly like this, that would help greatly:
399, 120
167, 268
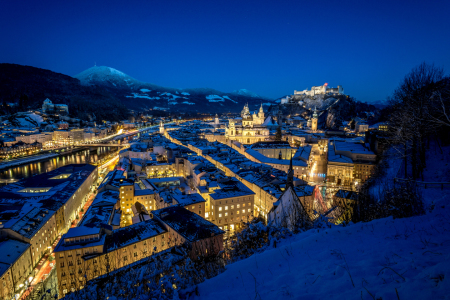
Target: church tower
261, 114
216, 120
161, 128
290, 175
231, 129
314, 120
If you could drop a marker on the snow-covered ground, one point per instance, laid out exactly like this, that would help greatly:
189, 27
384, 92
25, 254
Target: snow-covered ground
145, 96
383, 259
30, 120
214, 98
226, 97
374, 260
217, 98
438, 161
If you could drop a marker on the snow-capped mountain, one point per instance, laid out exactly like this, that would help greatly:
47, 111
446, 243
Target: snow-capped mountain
35, 85
106, 76
139, 95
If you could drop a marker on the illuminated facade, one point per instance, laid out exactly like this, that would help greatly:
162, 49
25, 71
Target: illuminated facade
321, 90
251, 130
314, 121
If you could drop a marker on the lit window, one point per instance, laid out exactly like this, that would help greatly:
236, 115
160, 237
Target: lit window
220, 215
226, 207
220, 208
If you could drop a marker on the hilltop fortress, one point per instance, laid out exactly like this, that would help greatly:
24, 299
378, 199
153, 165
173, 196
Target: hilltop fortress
321, 90
315, 91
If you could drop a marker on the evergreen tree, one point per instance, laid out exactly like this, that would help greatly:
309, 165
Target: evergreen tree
278, 135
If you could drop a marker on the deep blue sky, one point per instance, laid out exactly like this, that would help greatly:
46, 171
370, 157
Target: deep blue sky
268, 47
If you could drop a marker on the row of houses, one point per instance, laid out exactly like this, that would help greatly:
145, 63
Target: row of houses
33, 213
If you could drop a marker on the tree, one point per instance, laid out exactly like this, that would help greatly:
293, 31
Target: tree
413, 122
278, 135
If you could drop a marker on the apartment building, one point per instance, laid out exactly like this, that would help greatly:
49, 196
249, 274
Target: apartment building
184, 226
349, 163
36, 210
231, 204
86, 252
94, 248
15, 267
192, 202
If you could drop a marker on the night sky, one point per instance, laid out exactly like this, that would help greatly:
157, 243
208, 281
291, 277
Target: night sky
269, 47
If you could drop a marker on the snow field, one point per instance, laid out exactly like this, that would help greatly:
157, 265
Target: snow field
374, 260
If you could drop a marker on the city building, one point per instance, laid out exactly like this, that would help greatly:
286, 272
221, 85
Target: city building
94, 249
349, 163
50, 108
314, 120
15, 267
184, 226
62, 138
230, 204
250, 130
35, 211
321, 90
192, 202
43, 138
19, 149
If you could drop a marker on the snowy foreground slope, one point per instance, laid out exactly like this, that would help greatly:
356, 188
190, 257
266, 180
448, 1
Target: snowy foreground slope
384, 257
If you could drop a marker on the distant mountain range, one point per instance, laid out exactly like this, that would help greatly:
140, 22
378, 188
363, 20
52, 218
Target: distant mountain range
244, 92
27, 87
138, 95
104, 93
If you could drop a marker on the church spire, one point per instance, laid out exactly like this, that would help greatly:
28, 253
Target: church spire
290, 176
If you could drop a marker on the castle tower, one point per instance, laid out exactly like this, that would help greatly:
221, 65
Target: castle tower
216, 120
161, 128
314, 120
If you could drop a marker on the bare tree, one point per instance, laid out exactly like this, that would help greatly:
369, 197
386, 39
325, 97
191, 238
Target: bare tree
411, 123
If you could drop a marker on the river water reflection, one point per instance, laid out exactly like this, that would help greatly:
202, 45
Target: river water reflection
80, 157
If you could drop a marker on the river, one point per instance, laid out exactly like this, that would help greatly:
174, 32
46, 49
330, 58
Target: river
34, 168
80, 157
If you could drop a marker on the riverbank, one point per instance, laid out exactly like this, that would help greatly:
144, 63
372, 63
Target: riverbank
26, 160
49, 154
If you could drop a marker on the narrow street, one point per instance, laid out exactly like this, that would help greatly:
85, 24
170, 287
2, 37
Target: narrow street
46, 264
318, 170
